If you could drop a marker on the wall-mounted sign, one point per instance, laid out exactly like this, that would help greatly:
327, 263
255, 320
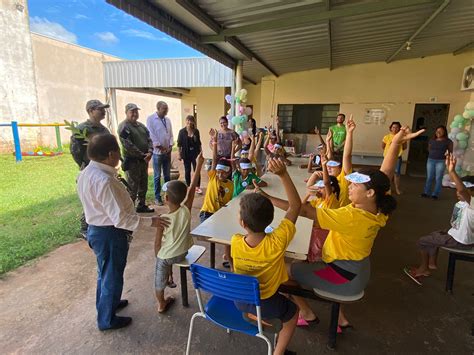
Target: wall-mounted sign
374, 115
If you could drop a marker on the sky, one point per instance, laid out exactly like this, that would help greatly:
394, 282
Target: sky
97, 25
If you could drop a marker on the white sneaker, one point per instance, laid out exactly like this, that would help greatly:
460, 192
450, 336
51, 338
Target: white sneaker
198, 190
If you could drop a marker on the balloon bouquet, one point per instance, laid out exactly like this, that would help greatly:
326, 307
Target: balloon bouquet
240, 120
463, 142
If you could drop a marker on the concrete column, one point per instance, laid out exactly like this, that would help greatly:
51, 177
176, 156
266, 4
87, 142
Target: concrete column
238, 75
111, 96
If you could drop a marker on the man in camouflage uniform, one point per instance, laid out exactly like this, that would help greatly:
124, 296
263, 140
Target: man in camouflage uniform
96, 111
137, 152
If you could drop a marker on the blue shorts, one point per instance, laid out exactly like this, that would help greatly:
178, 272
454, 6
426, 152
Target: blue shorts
275, 307
398, 167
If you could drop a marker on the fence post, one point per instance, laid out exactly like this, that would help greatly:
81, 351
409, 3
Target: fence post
16, 141
58, 138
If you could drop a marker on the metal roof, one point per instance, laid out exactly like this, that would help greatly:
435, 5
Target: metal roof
167, 73
277, 37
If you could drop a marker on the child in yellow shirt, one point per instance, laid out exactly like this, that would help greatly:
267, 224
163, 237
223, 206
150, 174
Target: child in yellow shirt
386, 141
261, 254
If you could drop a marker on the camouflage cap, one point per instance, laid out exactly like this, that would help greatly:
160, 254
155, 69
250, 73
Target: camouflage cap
129, 107
93, 104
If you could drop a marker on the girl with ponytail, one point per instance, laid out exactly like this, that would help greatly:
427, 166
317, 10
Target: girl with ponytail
345, 265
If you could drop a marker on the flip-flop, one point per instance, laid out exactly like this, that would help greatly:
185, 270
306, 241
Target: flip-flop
168, 305
305, 323
171, 285
409, 271
226, 264
347, 326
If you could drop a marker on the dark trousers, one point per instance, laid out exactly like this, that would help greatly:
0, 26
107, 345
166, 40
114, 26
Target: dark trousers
161, 162
111, 248
187, 171
137, 180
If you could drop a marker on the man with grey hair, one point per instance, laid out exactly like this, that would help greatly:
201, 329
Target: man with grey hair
85, 131
161, 134
137, 150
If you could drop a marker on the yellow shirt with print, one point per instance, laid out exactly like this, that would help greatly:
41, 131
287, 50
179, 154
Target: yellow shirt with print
266, 260
218, 193
352, 232
329, 202
344, 186
388, 141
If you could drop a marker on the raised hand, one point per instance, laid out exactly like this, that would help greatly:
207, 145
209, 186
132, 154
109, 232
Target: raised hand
277, 166
450, 162
350, 124
404, 135
212, 132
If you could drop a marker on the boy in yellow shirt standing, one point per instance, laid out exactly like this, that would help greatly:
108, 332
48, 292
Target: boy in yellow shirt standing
262, 254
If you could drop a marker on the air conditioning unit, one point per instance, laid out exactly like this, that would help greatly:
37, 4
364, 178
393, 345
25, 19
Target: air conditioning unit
467, 82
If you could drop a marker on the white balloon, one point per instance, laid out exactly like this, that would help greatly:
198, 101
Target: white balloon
470, 105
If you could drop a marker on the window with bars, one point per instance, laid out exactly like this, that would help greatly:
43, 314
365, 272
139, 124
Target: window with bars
303, 118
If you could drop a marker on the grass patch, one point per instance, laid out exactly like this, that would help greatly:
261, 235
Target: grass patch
40, 209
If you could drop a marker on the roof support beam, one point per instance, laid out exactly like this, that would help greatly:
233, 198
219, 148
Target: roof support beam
297, 21
205, 18
328, 8
163, 21
430, 19
464, 48
249, 80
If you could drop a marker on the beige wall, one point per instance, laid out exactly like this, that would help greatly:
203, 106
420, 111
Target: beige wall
396, 87
253, 98
68, 75
17, 85
210, 106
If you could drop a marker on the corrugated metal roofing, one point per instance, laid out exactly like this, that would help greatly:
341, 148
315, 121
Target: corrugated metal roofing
367, 37
162, 73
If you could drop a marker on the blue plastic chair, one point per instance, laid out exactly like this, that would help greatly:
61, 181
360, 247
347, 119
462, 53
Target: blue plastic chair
227, 288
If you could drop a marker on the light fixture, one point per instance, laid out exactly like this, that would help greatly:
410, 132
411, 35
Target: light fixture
408, 45
19, 7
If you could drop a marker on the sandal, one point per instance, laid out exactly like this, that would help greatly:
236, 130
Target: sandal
171, 284
169, 303
305, 323
411, 273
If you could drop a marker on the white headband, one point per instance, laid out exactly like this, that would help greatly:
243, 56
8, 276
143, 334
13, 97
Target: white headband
244, 152
222, 167
245, 165
358, 178
333, 163
277, 146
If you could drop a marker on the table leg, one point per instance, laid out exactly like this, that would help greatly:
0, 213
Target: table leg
450, 273
184, 286
213, 255
333, 326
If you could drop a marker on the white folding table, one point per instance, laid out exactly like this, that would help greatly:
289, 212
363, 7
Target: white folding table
220, 227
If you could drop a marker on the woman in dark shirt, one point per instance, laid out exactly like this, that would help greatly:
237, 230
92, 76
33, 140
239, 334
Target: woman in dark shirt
437, 147
189, 144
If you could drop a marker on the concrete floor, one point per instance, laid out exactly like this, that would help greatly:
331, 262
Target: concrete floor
47, 307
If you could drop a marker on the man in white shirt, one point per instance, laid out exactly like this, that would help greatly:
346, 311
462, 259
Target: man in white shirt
161, 134
111, 214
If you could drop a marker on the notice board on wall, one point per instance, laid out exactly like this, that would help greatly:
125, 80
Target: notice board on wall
375, 116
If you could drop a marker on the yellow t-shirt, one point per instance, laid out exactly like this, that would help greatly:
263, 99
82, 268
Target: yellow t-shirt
329, 202
352, 232
266, 260
218, 193
176, 238
344, 186
388, 140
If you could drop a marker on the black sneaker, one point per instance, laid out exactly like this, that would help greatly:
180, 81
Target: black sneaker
144, 209
424, 195
120, 322
434, 197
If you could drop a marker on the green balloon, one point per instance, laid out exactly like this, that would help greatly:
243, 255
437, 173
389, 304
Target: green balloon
462, 136
458, 118
453, 125
462, 144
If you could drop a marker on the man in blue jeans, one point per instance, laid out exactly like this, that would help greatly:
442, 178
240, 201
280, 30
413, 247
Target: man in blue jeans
111, 215
161, 134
